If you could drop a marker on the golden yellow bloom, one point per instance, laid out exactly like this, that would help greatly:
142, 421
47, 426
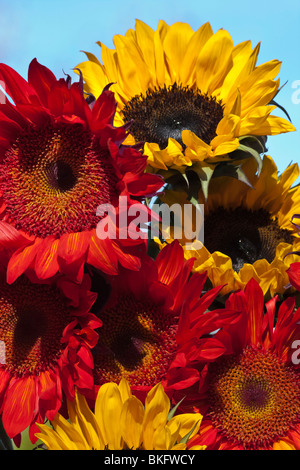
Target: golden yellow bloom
121, 421
248, 230
193, 95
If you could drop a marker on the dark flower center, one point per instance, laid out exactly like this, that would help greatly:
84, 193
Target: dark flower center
166, 112
243, 235
32, 320
61, 176
136, 341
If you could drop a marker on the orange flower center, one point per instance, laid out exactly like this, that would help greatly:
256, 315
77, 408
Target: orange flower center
136, 341
166, 112
254, 398
53, 179
32, 320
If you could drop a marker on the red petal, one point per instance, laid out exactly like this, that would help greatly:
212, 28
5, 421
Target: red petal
46, 264
294, 275
255, 300
21, 260
41, 79
72, 254
11, 112
206, 350
19, 405
16, 87
35, 114
102, 256
128, 256
169, 262
103, 110
58, 98
9, 130
50, 394
269, 321
182, 378
146, 185
4, 381
73, 246
11, 239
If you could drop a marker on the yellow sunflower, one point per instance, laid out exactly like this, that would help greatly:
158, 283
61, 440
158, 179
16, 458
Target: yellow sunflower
121, 421
248, 229
193, 96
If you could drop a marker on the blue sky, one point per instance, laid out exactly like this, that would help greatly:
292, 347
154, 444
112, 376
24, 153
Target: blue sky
56, 31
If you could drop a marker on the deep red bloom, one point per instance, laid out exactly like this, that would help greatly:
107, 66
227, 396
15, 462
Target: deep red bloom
47, 333
61, 158
143, 318
248, 386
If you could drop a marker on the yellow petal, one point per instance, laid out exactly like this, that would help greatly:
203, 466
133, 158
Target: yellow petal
229, 125
259, 95
187, 74
108, 409
145, 40
175, 45
179, 447
88, 423
157, 406
124, 389
131, 422
272, 125
224, 144
162, 439
249, 59
133, 72
94, 77
171, 156
198, 448
264, 72
214, 61
244, 60
256, 120
52, 440
162, 75
197, 149
68, 433
185, 423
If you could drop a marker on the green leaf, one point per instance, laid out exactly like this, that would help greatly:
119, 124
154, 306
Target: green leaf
259, 142
174, 409
254, 154
233, 172
205, 173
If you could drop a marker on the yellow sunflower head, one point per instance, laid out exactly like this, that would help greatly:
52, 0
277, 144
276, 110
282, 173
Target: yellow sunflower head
248, 229
194, 98
121, 421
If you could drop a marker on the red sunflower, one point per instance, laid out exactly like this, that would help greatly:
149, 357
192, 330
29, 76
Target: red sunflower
138, 337
248, 386
61, 158
47, 334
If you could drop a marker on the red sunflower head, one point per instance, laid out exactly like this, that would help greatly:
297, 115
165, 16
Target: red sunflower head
141, 317
61, 159
248, 386
47, 334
